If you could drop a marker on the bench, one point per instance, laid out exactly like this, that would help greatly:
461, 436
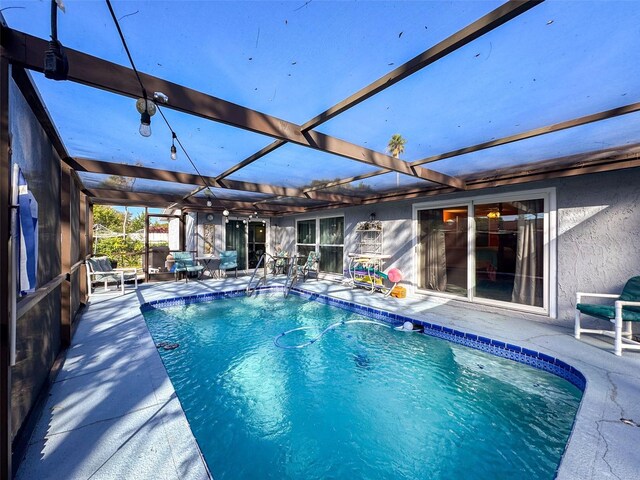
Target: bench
99, 270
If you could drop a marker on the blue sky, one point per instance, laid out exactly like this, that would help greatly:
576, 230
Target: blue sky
294, 59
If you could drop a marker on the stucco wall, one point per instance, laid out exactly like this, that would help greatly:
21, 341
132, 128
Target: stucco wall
598, 234
598, 225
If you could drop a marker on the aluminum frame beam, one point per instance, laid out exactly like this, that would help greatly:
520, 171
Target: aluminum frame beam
536, 132
135, 171
471, 32
28, 52
144, 199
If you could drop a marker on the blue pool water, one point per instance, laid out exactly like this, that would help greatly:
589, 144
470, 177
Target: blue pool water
363, 402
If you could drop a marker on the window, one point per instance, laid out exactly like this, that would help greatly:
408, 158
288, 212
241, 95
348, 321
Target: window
306, 237
490, 250
236, 240
329, 242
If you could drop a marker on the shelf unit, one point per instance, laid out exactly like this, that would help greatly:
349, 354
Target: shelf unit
366, 262
369, 240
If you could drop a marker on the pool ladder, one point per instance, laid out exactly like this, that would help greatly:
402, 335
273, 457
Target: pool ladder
250, 286
292, 276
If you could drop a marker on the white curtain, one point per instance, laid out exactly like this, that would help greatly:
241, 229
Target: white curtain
190, 240
434, 255
526, 289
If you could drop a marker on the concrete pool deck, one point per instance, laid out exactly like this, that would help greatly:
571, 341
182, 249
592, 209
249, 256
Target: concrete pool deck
112, 412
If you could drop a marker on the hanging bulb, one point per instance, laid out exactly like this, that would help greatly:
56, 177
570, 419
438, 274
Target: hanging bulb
145, 124
237, 225
226, 220
208, 203
225, 212
147, 109
174, 152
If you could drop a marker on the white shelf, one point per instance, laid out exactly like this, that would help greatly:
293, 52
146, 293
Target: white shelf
369, 242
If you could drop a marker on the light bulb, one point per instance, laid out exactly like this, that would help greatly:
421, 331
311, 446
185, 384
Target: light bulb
225, 212
208, 203
145, 124
145, 130
237, 225
174, 152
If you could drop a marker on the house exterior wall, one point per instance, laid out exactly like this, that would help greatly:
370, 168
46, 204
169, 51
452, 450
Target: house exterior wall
597, 221
598, 234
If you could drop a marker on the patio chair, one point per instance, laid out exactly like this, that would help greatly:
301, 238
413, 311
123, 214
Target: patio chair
229, 261
626, 308
184, 263
99, 269
311, 265
278, 262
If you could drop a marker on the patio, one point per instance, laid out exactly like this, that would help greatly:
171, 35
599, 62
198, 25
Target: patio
112, 411
487, 152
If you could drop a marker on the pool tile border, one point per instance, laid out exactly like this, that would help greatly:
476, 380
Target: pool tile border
495, 347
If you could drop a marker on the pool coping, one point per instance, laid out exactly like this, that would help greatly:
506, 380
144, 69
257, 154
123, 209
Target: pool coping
498, 348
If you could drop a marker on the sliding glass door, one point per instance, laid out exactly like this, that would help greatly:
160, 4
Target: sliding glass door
332, 244
443, 249
490, 250
509, 251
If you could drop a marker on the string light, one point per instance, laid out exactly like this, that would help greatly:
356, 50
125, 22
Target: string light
208, 193
147, 109
174, 151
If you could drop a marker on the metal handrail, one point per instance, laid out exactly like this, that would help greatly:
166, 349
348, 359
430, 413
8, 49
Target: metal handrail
249, 291
292, 275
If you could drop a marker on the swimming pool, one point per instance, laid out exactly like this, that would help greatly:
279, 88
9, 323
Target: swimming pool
364, 401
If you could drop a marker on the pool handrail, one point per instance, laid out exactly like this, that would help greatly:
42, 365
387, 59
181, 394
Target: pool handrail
292, 273
249, 291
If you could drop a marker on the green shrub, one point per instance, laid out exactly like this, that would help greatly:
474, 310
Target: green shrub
125, 251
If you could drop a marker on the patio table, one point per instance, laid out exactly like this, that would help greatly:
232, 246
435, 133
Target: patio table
208, 262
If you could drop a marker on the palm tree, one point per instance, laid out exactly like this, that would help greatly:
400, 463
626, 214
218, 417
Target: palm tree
396, 148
